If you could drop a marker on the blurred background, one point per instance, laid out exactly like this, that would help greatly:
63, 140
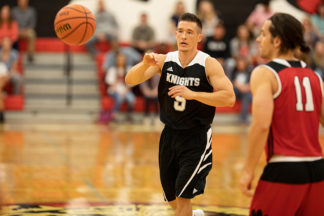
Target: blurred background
72, 134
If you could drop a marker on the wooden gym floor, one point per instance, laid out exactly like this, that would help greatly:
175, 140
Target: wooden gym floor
49, 169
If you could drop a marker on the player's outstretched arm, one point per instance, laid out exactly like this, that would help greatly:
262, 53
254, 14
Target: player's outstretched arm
150, 65
262, 107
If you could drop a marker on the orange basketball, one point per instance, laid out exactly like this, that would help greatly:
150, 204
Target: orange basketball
74, 24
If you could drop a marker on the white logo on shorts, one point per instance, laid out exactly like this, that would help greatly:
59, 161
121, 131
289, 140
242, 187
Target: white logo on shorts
194, 191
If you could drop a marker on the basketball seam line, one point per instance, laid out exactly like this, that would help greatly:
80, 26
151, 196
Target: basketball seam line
86, 28
78, 10
72, 18
75, 30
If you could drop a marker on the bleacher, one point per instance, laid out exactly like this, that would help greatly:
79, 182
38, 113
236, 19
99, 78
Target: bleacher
56, 46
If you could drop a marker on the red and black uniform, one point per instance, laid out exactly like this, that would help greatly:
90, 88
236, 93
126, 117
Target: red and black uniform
292, 183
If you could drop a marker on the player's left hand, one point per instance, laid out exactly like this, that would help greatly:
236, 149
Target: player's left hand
246, 183
180, 90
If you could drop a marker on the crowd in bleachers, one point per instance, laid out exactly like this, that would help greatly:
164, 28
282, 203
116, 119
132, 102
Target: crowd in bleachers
17, 23
238, 55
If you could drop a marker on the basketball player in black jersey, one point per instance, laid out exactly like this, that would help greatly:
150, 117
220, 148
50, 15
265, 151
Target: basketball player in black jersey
192, 84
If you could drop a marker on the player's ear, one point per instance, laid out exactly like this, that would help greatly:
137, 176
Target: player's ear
276, 42
200, 37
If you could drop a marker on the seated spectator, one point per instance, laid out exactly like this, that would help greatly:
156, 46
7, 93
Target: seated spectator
311, 33
26, 18
8, 26
10, 57
132, 56
149, 89
244, 45
217, 45
317, 58
117, 89
258, 16
106, 28
143, 36
178, 11
8, 71
318, 19
241, 79
3, 79
208, 16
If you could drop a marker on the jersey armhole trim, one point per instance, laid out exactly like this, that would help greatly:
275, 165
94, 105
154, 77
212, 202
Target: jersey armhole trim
321, 83
278, 80
205, 68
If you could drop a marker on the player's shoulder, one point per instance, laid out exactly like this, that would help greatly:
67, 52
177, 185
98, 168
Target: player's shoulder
262, 70
212, 63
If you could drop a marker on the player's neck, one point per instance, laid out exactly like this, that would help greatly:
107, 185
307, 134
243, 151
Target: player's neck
186, 57
287, 56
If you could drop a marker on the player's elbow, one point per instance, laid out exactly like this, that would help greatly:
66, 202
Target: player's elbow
231, 99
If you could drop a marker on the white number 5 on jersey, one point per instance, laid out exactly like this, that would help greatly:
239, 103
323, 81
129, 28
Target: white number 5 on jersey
179, 104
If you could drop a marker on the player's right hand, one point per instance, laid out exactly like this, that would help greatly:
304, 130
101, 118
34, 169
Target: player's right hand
150, 59
246, 183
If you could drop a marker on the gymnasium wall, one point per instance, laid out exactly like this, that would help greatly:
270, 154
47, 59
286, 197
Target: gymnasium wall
234, 12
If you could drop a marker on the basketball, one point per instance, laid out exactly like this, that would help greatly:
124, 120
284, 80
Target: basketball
74, 24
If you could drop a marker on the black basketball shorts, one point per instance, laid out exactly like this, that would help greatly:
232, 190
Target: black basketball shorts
185, 159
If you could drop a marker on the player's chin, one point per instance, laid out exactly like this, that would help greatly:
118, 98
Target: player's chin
182, 48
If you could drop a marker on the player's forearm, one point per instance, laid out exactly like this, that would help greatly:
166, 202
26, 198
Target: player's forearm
220, 98
136, 74
257, 139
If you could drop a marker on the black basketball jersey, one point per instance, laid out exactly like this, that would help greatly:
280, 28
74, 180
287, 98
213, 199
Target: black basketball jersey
179, 113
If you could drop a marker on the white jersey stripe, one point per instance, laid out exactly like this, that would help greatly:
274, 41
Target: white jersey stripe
203, 167
207, 155
282, 61
278, 80
208, 144
281, 158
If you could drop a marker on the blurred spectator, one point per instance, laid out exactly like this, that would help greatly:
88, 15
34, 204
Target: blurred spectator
318, 19
244, 44
26, 18
150, 94
106, 28
208, 16
117, 89
3, 78
8, 71
258, 16
217, 45
178, 11
241, 79
317, 58
143, 37
8, 26
10, 57
311, 34
132, 56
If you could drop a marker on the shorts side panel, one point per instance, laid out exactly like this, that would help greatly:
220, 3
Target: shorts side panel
195, 163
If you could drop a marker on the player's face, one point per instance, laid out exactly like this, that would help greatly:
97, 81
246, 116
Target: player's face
265, 41
188, 36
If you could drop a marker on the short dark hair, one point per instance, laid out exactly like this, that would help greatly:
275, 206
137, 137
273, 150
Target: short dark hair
189, 17
290, 31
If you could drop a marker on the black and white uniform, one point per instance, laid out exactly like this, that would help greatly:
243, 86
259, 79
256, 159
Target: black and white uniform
185, 153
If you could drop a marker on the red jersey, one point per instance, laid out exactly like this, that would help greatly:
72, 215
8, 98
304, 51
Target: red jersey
297, 107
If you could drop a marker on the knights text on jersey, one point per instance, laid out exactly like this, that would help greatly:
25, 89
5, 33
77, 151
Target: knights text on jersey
297, 106
179, 113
